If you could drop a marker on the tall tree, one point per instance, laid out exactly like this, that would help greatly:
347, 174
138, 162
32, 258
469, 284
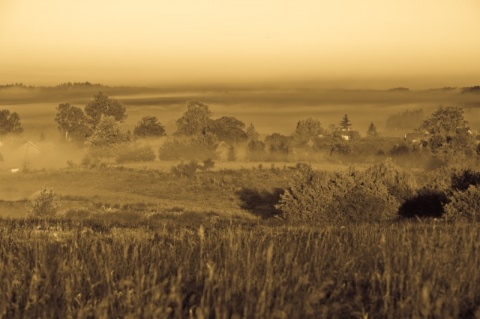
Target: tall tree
73, 123
102, 105
252, 134
149, 126
444, 121
345, 123
195, 120
9, 123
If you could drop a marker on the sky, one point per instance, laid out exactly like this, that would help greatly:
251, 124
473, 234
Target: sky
200, 42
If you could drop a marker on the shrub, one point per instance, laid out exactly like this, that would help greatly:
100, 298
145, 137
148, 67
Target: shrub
398, 182
188, 170
464, 204
135, 153
351, 196
426, 203
45, 204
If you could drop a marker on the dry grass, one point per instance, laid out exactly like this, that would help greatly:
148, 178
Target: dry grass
58, 269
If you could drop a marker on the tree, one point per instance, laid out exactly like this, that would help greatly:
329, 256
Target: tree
345, 123
10, 123
444, 121
406, 120
149, 126
228, 129
278, 143
72, 122
107, 133
306, 130
252, 134
372, 130
102, 105
194, 120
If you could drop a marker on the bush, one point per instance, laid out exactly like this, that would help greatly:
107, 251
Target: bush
135, 153
188, 170
337, 197
426, 203
189, 148
464, 204
45, 204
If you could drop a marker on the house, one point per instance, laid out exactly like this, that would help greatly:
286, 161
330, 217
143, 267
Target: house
29, 149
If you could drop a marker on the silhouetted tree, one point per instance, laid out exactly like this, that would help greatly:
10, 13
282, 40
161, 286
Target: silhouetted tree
195, 120
345, 123
102, 105
9, 123
278, 143
444, 121
107, 133
252, 134
306, 130
372, 130
149, 126
72, 122
228, 129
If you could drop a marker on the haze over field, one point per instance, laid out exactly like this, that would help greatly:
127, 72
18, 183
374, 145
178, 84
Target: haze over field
346, 43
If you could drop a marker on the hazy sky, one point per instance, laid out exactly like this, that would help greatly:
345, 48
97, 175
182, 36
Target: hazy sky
419, 43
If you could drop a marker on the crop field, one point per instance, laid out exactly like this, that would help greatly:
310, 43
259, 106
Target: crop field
159, 269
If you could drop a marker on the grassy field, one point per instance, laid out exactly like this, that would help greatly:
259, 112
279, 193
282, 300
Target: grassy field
68, 269
224, 193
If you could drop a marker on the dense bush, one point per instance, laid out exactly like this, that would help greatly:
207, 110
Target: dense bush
188, 170
45, 204
135, 153
425, 203
464, 204
189, 148
372, 195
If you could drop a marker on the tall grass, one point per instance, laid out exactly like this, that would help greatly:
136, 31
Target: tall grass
63, 269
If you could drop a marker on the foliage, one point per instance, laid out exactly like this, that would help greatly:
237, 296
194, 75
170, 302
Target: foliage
372, 130
107, 133
277, 143
149, 126
252, 134
306, 130
200, 147
228, 129
464, 204
406, 120
353, 196
10, 123
444, 121
256, 150
73, 123
341, 148
425, 203
135, 153
345, 124
101, 106
45, 204
195, 120
188, 170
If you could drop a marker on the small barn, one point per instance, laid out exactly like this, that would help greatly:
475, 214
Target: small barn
29, 149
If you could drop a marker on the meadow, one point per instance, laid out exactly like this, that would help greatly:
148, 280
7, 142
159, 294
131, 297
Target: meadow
165, 269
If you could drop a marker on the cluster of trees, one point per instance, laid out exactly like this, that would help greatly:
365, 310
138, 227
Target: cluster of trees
9, 123
99, 122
